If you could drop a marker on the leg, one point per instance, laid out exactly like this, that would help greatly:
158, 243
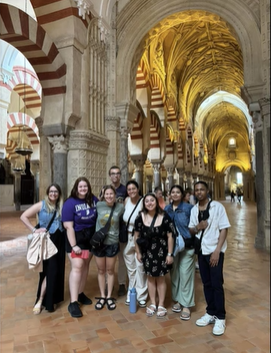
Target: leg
218, 290
205, 274
101, 266
84, 273
152, 289
130, 261
175, 278
110, 270
122, 271
186, 292
161, 289
141, 282
75, 278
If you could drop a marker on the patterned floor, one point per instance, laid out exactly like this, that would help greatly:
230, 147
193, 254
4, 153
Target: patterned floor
247, 288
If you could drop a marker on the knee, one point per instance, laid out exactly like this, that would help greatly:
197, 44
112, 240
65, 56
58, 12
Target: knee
101, 271
110, 271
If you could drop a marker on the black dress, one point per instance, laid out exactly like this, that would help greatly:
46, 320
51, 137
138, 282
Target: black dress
54, 271
154, 256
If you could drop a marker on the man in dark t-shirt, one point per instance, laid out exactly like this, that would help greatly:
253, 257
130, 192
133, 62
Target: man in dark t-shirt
115, 175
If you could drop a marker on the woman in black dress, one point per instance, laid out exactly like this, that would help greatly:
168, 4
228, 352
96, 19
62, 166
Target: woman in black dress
154, 248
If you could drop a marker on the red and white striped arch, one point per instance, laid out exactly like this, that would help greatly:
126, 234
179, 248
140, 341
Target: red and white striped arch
157, 94
155, 131
136, 133
22, 119
25, 34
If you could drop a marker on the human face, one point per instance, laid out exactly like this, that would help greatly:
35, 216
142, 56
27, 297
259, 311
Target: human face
159, 194
82, 189
176, 195
201, 192
132, 191
109, 196
115, 176
150, 203
53, 194
187, 197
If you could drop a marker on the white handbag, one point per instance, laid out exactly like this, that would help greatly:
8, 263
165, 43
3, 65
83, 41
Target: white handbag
179, 244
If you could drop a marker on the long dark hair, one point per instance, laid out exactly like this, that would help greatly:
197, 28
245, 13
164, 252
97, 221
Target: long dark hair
158, 209
89, 195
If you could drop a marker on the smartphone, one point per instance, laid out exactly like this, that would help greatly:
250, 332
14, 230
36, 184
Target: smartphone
84, 254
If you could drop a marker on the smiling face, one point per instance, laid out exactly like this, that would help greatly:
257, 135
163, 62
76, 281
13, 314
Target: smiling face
176, 195
150, 203
110, 197
201, 192
132, 191
114, 176
82, 189
53, 194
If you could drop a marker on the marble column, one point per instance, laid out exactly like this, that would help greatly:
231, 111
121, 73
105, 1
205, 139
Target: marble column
156, 174
112, 128
265, 113
59, 146
17, 190
124, 131
170, 171
138, 172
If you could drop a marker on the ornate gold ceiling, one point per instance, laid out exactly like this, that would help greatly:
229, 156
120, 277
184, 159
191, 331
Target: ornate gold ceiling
196, 54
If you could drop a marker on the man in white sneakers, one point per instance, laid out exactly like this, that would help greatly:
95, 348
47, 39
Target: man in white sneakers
211, 256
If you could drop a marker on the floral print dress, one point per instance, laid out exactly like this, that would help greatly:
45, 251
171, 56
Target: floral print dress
154, 257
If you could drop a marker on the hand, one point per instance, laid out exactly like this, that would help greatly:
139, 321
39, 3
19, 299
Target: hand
202, 225
77, 250
169, 260
40, 230
214, 258
139, 257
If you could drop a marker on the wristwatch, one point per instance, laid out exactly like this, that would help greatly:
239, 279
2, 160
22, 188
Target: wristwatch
169, 254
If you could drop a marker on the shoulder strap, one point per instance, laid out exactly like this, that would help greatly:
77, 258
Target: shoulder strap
51, 221
127, 224
207, 209
107, 225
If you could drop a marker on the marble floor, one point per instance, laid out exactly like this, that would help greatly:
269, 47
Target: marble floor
247, 290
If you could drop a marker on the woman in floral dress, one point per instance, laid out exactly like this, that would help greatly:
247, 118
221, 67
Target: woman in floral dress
154, 227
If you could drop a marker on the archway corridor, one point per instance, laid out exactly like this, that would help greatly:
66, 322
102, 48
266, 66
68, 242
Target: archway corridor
247, 280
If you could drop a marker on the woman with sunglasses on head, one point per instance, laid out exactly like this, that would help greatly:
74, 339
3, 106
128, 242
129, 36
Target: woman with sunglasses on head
79, 218
51, 279
154, 228
106, 255
183, 271
136, 274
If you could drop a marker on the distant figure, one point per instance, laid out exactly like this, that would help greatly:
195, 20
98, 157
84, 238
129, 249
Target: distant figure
239, 195
159, 194
232, 196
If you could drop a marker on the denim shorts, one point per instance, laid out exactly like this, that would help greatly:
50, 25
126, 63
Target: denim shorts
106, 250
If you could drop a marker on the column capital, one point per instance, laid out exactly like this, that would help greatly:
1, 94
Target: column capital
112, 123
257, 121
59, 144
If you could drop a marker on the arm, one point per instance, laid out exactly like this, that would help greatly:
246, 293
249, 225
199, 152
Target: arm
30, 213
215, 255
170, 242
71, 236
137, 249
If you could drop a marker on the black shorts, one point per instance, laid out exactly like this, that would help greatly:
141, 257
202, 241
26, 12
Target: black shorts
82, 238
107, 250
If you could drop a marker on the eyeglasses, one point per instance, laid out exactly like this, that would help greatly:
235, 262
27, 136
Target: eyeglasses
115, 174
53, 192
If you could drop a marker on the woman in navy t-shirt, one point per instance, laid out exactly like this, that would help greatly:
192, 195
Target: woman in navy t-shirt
79, 218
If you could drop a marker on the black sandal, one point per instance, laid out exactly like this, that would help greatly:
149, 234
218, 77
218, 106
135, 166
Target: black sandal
100, 303
111, 305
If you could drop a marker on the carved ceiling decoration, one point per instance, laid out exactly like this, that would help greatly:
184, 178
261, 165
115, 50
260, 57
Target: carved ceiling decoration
196, 54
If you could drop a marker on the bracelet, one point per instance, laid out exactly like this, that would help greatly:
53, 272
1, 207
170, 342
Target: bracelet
74, 246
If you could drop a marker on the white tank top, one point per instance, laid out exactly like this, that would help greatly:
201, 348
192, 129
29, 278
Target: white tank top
128, 210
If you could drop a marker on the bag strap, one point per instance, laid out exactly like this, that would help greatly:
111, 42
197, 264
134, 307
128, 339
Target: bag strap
207, 209
51, 221
127, 224
152, 223
107, 225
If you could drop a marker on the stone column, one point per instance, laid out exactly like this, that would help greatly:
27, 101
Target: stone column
124, 131
258, 126
59, 146
17, 190
138, 172
181, 176
34, 167
265, 113
170, 171
112, 128
156, 174
219, 190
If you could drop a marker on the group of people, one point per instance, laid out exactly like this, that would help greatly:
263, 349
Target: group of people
145, 257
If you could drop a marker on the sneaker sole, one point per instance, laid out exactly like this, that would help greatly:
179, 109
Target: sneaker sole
209, 323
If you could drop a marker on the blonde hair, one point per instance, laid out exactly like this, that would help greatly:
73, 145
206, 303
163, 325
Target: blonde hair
59, 203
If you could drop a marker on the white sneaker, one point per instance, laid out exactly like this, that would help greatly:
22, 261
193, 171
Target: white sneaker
219, 327
205, 320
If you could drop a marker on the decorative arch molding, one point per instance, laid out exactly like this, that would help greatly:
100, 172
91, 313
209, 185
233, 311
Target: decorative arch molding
16, 27
131, 36
22, 119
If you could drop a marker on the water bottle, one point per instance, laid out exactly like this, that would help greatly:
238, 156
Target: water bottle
133, 301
